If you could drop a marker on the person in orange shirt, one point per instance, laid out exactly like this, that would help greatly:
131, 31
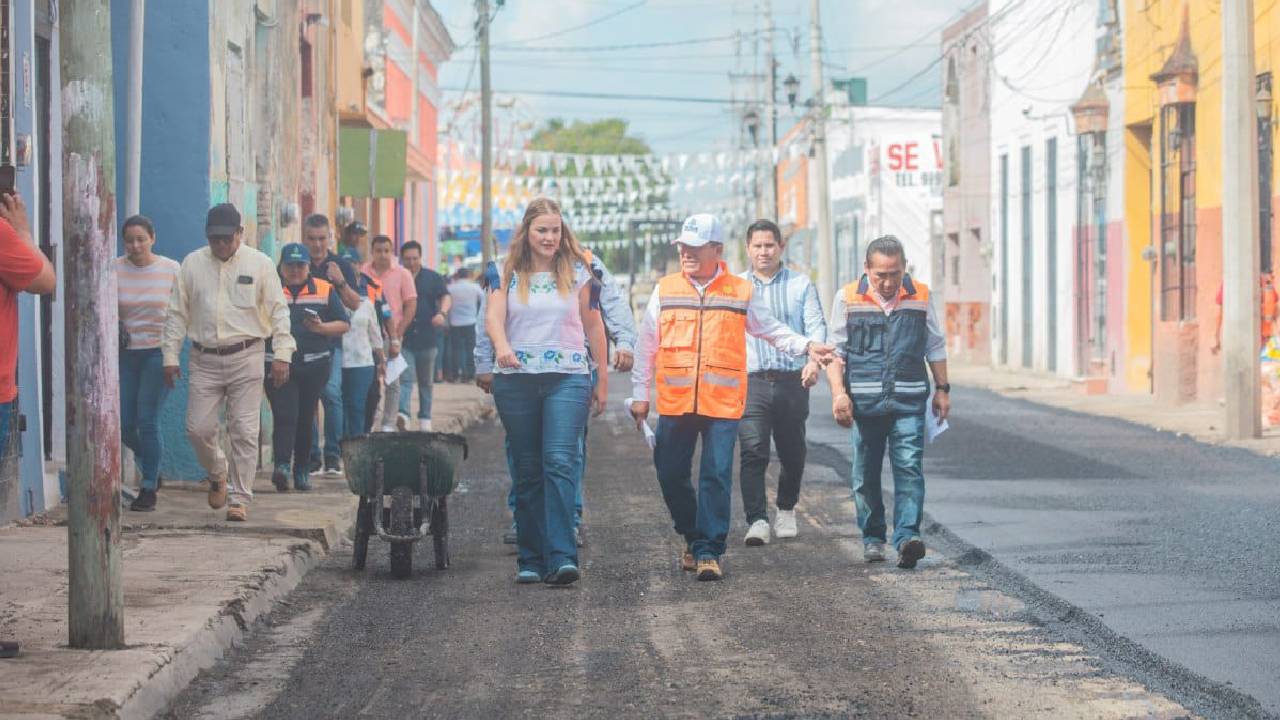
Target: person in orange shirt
1269, 301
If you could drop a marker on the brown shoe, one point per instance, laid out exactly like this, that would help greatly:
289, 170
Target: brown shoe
709, 569
237, 513
217, 493
687, 563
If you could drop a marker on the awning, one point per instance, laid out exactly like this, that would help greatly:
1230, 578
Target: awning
371, 163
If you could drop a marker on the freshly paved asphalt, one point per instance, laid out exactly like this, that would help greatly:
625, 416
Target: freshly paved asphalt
1070, 556
1162, 547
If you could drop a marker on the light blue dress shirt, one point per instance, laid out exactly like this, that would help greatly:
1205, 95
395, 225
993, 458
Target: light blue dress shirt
791, 297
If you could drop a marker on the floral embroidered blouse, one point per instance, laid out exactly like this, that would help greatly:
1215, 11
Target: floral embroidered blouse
546, 334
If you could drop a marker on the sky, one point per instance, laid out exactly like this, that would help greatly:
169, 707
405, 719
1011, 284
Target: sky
579, 46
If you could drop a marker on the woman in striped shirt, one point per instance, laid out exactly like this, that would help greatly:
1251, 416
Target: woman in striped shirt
145, 280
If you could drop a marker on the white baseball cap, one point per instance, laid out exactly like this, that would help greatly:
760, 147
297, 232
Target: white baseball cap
700, 229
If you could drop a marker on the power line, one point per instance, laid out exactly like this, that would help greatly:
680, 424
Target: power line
608, 96
575, 28
629, 46
915, 43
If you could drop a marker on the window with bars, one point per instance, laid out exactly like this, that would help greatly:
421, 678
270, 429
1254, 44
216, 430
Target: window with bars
1178, 212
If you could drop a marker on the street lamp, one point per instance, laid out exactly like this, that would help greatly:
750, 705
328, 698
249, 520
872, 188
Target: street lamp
1262, 101
752, 120
792, 86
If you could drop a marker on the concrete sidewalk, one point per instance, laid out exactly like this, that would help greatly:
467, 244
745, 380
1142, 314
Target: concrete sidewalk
1202, 422
193, 583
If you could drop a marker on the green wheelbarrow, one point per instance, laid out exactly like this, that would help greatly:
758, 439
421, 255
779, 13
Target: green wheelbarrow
417, 471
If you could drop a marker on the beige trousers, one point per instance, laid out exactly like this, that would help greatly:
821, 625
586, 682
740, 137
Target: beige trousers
390, 395
233, 381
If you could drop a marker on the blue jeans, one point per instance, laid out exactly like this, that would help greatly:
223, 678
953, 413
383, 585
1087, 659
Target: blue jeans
334, 412
355, 394
703, 519
142, 393
577, 503
543, 415
422, 370
5, 410
904, 436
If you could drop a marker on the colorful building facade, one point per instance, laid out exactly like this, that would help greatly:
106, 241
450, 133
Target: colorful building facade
1173, 130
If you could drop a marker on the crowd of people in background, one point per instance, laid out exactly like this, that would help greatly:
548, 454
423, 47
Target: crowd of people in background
312, 334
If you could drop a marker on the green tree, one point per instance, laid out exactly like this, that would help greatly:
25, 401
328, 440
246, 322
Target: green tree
599, 137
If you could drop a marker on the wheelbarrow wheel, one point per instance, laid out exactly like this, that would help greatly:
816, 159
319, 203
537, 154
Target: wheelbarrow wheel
364, 527
440, 532
401, 524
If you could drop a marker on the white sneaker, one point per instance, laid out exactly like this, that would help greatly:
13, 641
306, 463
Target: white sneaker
758, 533
784, 526
424, 425
403, 421
388, 428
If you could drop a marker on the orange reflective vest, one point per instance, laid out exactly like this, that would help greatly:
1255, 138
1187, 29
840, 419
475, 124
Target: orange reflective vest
313, 295
701, 365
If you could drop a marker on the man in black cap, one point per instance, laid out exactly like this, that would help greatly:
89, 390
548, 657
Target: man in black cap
227, 299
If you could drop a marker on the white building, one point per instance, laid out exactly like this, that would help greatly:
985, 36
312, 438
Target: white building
1042, 60
885, 167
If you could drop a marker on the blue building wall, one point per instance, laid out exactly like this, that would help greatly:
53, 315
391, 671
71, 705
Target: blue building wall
31, 468
174, 189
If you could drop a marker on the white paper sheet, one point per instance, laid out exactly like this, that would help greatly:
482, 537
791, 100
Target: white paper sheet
933, 427
395, 366
650, 438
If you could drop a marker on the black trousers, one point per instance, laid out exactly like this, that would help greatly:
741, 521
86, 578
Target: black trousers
777, 408
461, 364
293, 410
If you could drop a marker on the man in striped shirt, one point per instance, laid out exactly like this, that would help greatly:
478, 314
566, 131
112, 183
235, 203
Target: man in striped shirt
777, 386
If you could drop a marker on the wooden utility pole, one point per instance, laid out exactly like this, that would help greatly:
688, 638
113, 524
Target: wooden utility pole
96, 607
486, 135
826, 250
770, 115
1240, 252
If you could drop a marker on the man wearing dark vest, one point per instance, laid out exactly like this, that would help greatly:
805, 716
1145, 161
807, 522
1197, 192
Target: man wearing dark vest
692, 347
885, 331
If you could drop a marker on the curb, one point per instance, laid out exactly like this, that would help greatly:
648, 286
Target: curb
221, 633
237, 617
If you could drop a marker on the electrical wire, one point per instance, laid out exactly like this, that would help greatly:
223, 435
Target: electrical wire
611, 96
575, 28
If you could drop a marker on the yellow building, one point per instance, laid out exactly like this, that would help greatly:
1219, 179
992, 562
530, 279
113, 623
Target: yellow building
1173, 189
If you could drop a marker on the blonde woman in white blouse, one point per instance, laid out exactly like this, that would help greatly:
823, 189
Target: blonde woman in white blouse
543, 315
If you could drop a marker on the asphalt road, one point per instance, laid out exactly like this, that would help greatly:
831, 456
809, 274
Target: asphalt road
1163, 548
799, 628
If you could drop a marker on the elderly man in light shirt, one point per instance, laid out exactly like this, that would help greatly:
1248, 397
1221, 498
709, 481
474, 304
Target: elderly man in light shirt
777, 386
227, 299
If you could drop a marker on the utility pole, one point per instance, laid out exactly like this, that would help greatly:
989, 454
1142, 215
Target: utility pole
486, 135
770, 115
133, 132
826, 252
1240, 252
96, 602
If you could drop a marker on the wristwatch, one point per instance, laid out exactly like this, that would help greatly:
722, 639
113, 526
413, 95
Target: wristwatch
943, 387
